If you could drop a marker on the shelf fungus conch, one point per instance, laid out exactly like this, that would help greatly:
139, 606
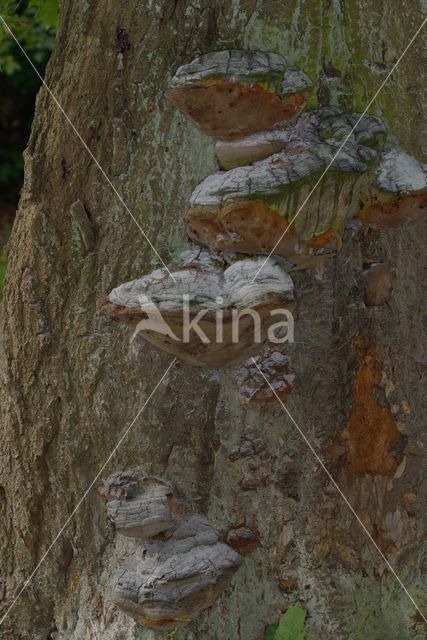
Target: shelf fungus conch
168, 578
206, 315
140, 506
231, 94
265, 206
399, 193
239, 153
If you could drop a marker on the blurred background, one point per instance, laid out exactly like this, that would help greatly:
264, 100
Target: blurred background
34, 23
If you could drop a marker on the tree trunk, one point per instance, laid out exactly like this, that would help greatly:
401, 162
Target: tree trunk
73, 383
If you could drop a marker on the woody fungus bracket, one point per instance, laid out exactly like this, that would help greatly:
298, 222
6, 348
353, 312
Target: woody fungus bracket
178, 565
206, 315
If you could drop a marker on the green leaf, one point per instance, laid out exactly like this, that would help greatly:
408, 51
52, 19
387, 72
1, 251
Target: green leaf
47, 12
292, 624
270, 633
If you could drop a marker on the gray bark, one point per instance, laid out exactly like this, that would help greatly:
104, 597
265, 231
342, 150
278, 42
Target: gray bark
72, 383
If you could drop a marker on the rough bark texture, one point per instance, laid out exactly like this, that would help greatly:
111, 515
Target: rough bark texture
73, 383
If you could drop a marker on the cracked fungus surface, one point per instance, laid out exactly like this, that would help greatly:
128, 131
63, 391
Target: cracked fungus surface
178, 566
206, 289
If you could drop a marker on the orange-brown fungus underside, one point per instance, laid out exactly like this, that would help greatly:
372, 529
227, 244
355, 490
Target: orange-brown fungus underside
157, 622
331, 239
231, 110
387, 212
371, 430
252, 227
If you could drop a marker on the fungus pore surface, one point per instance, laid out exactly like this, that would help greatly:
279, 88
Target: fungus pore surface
234, 93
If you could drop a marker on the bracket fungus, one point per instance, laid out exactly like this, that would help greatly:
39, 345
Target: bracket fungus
247, 209
233, 93
170, 576
399, 193
207, 316
140, 506
239, 153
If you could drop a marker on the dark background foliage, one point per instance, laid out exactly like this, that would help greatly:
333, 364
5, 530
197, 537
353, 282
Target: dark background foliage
33, 22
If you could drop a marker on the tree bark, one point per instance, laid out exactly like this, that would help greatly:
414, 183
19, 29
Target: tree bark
72, 383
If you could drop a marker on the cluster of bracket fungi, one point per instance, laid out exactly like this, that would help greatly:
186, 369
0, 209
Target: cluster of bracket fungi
271, 154
178, 566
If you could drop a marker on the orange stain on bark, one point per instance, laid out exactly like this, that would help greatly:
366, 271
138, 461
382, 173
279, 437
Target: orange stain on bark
371, 430
329, 238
